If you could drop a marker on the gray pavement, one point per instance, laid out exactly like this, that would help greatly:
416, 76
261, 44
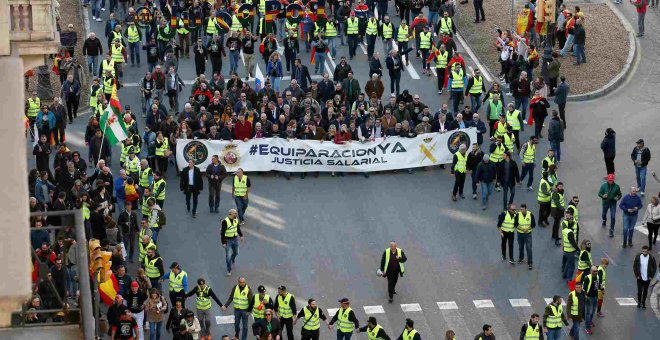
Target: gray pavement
323, 237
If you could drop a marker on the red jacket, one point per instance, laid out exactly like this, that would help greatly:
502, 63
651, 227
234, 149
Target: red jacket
243, 130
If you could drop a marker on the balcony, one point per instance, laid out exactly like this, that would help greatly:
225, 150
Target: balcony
31, 29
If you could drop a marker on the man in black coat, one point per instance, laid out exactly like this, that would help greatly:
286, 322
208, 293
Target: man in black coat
301, 74
191, 184
644, 267
216, 172
510, 176
394, 65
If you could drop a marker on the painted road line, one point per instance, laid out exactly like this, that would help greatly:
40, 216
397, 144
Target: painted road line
410, 68
447, 305
474, 58
520, 303
642, 229
492, 316
411, 307
224, 320
374, 309
455, 321
549, 300
329, 59
363, 48
626, 301
483, 304
332, 311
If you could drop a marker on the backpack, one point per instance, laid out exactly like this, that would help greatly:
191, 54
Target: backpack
162, 219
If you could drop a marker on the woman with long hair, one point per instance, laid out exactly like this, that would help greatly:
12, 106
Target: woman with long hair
274, 70
156, 307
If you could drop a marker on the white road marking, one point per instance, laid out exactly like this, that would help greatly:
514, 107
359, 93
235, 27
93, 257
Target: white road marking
329, 59
411, 307
483, 304
626, 301
224, 320
374, 309
520, 303
410, 68
363, 48
447, 305
642, 229
549, 300
332, 311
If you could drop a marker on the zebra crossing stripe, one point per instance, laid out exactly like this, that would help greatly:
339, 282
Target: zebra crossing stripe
520, 303
374, 309
332, 311
446, 305
411, 307
626, 302
483, 304
224, 320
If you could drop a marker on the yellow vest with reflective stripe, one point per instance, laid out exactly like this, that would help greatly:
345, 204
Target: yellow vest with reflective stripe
330, 30
498, 154
477, 84
513, 119
495, 109
508, 141
445, 25
576, 213
425, 40
150, 268
457, 79
108, 65
107, 85
524, 222
116, 35
501, 129
584, 265
402, 35
132, 166
561, 201
262, 7
203, 300
388, 30
541, 196
530, 153
236, 25
372, 27
575, 306
372, 334
210, 27
311, 320
461, 162
508, 222
259, 314
554, 320
144, 177
549, 161
409, 335
133, 34
93, 95
387, 259
157, 185
568, 247
176, 281
352, 26
86, 212
232, 227
240, 186
182, 28
343, 324
241, 298
533, 332
284, 306
603, 276
293, 27
117, 56
34, 105
441, 59
160, 151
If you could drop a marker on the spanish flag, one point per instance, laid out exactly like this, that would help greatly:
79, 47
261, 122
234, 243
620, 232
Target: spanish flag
525, 20
312, 60
535, 99
108, 289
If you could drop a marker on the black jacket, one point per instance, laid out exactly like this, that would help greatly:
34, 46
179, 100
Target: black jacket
651, 268
260, 328
92, 47
514, 174
646, 156
382, 261
198, 184
608, 145
302, 75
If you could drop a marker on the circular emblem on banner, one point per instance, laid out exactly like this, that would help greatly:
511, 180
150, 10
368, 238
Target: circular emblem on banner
144, 17
294, 13
196, 151
245, 13
223, 22
230, 155
456, 139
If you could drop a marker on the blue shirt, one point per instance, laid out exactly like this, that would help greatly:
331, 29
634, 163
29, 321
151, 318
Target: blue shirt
119, 188
184, 283
629, 201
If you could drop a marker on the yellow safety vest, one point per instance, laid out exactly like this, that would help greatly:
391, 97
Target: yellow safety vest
93, 95
117, 35
232, 227
107, 85
182, 28
160, 151
372, 27
157, 185
409, 335
144, 177
461, 162
524, 223
498, 154
575, 306
262, 7
236, 25
240, 186
477, 84
584, 265
352, 26
176, 281
549, 161
117, 56
457, 79
425, 40
311, 320
259, 314
284, 307
561, 201
34, 105
203, 300
587, 279
150, 268
387, 259
402, 35
330, 30
241, 298
508, 222
533, 332
513, 119
134, 34
501, 129
542, 196
210, 27
530, 153
145, 208
508, 141
388, 30
445, 25
343, 324
372, 334
294, 27
554, 320
86, 212
441, 59
132, 165
568, 247
495, 109
108, 65
603, 275
576, 213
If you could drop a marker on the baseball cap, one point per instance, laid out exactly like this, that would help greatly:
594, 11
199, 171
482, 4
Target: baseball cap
343, 300
261, 289
282, 288
640, 141
134, 284
610, 177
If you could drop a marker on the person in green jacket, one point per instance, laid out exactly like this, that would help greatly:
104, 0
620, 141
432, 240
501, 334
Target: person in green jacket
610, 193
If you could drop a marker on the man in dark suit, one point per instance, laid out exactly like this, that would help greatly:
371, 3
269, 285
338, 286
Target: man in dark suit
174, 85
191, 184
351, 87
510, 176
301, 74
394, 65
644, 267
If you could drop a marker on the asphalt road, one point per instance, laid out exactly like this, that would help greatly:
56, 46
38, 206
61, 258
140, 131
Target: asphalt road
323, 237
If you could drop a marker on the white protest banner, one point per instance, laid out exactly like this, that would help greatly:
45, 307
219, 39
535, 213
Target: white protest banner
281, 154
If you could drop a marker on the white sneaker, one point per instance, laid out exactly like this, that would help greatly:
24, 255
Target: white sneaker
642, 193
102, 9
99, 19
93, 17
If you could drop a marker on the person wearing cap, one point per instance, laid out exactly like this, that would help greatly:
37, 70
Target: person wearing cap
267, 326
409, 331
204, 295
241, 295
391, 267
178, 280
285, 307
608, 145
640, 155
135, 301
311, 314
346, 320
374, 330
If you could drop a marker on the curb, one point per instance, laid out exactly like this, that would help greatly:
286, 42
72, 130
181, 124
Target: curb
625, 74
484, 70
85, 17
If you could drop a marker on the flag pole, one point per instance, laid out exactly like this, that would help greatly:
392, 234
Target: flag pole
102, 136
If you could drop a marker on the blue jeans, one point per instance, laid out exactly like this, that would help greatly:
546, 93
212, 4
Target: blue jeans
589, 310
579, 54
554, 334
121, 204
433, 19
522, 104
154, 235
628, 227
320, 62
640, 174
233, 61
556, 147
332, 43
528, 168
134, 48
232, 245
241, 206
154, 330
575, 330
92, 63
486, 189
525, 244
382, 9
96, 8
567, 45
276, 81
344, 336
611, 206
568, 265
281, 29
238, 316
71, 284
475, 102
